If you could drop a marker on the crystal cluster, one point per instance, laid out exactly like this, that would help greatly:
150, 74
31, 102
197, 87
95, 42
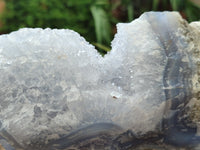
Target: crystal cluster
54, 85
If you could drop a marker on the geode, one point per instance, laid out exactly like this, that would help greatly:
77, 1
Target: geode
57, 92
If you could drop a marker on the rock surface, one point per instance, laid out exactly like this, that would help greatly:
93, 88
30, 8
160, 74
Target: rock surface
57, 92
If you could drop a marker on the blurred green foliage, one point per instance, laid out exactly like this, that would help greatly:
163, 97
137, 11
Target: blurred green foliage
70, 14
93, 19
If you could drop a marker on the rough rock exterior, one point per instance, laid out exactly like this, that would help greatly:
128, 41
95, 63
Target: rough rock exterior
57, 92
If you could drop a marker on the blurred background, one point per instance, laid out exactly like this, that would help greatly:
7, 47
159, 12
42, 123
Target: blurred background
95, 20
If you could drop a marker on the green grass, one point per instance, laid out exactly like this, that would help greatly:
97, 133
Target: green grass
93, 19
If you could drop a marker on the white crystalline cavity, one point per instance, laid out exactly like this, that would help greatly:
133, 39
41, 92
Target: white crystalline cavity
56, 81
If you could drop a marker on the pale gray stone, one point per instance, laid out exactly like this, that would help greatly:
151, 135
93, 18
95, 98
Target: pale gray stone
57, 92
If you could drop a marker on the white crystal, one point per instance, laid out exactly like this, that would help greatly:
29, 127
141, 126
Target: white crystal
53, 80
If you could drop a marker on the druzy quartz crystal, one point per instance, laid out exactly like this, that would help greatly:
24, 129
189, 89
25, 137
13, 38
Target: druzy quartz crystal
57, 92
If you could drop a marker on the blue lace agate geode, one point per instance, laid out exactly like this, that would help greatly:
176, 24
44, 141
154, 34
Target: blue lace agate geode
57, 92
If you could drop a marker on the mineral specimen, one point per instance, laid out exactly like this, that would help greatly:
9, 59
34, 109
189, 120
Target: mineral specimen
57, 92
